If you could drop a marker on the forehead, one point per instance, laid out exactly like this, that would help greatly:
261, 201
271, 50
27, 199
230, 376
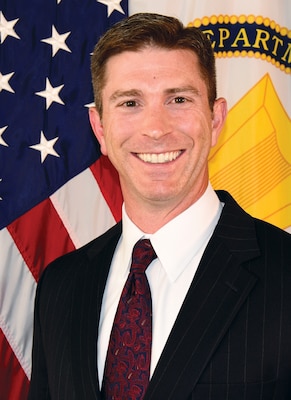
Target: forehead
152, 62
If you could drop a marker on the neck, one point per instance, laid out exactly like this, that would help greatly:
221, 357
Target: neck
149, 217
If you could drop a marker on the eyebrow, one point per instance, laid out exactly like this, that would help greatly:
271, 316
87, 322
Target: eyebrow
125, 93
183, 89
136, 93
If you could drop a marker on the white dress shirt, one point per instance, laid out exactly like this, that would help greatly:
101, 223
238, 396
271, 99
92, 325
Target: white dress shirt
179, 246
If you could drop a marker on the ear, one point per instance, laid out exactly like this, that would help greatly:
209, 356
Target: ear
218, 118
96, 124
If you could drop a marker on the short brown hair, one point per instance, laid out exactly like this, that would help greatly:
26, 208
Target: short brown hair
146, 29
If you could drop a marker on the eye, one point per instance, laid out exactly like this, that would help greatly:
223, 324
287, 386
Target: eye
179, 100
130, 103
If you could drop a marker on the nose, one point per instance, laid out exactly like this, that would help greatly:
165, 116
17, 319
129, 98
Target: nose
156, 122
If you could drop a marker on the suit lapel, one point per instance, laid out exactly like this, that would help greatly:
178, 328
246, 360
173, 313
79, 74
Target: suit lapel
87, 298
220, 287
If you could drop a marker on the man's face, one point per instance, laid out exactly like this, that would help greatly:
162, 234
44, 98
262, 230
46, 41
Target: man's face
157, 127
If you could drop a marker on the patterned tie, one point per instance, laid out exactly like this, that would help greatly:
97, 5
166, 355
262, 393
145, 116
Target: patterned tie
127, 367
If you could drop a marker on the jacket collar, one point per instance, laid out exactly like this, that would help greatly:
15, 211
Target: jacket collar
220, 287
87, 299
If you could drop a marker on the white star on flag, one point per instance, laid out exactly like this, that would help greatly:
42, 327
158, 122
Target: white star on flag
2, 141
6, 28
4, 85
45, 147
111, 6
57, 41
51, 94
90, 105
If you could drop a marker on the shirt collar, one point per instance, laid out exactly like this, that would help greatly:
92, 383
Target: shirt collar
179, 241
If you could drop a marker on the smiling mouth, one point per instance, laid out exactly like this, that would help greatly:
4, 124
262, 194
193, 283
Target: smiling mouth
160, 158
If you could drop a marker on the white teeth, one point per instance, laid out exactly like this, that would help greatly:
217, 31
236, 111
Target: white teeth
159, 158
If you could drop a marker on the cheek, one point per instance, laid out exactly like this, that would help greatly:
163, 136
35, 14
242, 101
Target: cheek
200, 135
107, 141
113, 147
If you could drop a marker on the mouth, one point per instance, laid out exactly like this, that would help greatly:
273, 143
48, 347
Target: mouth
159, 158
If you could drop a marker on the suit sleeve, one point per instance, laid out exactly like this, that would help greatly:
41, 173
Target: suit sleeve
39, 387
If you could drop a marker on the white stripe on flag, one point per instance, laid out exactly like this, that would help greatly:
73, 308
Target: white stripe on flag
16, 301
82, 208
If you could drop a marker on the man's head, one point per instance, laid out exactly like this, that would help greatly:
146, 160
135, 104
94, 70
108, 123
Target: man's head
156, 114
151, 30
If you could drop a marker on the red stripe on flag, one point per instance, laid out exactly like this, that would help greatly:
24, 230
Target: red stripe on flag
108, 181
13, 383
40, 237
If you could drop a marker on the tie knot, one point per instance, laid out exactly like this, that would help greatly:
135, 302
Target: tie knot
143, 254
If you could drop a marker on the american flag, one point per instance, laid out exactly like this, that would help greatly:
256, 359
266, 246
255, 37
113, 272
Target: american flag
56, 191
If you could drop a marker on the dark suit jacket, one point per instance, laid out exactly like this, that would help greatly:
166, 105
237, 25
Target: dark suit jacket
232, 337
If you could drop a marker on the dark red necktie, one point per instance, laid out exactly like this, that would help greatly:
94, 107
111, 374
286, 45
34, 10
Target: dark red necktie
127, 367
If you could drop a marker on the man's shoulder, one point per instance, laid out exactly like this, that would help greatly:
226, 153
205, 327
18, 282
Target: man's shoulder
273, 237
82, 256
238, 218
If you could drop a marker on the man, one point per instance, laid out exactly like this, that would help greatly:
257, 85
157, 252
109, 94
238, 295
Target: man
221, 283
